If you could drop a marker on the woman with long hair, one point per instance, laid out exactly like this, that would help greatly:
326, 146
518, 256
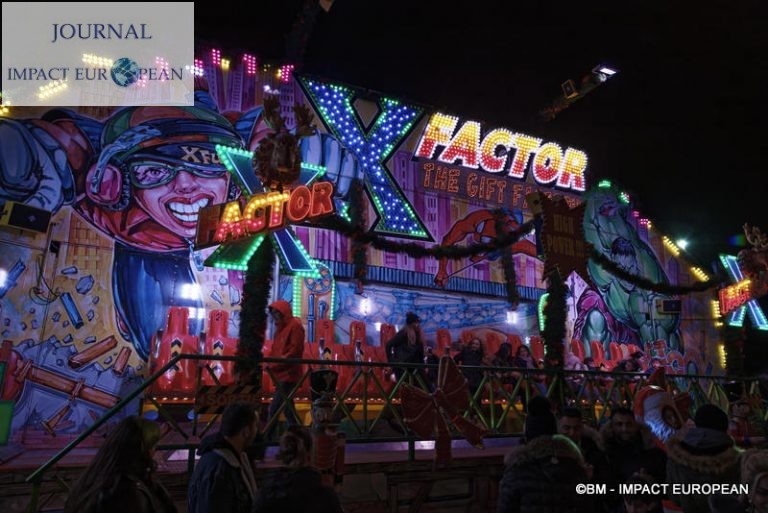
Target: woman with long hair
120, 476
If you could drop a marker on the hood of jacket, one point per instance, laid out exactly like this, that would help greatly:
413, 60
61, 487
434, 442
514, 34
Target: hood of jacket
704, 450
610, 438
284, 307
544, 448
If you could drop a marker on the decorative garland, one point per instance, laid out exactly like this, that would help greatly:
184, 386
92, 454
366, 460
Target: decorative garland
253, 312
644, 283
507, 262
554, 319
357, 210
414, 250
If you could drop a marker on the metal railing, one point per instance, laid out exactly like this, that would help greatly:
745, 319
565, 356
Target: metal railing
497, 402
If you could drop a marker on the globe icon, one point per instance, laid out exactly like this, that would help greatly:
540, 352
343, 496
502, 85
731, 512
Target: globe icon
125, 72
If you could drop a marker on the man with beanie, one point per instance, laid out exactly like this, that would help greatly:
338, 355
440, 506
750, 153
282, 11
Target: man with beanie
540, 420
704, 454
407, 346
288, 343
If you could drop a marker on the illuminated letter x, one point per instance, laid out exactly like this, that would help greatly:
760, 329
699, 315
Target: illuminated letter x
736, 318
236, 254
372, 148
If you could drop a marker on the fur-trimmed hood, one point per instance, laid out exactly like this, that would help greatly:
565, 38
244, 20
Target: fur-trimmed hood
609, 436
678, 450
544, 448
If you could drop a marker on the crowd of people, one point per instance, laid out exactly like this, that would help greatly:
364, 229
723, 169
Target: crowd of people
638, 471
560, 451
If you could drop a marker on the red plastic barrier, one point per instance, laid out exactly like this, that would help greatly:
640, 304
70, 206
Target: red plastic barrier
387, 332
515, 341
537, 348
215, 341
325, 331
174, 340
443, 340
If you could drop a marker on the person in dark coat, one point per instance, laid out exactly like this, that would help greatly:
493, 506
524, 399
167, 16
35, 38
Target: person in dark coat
120, 477
704, 454
754, 474
630, 447
587, 440
471, 355
296, 487
223, 479
407, 346
541, 477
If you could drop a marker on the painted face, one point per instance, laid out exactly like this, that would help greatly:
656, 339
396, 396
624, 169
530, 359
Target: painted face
173, 196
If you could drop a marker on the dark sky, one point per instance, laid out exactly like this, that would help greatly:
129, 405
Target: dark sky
681, 127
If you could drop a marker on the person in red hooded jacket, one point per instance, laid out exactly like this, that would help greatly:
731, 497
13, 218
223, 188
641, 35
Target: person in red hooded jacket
288, 343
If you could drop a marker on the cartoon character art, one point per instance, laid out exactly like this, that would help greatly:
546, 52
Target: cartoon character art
632, 316
140, 177
480, 226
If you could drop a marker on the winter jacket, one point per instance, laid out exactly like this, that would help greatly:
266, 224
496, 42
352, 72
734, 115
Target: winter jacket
223, 481
624, 459
288, 343
471, 358
132, 495
400, 351
295, 491
541, 477
701, 456
592, 449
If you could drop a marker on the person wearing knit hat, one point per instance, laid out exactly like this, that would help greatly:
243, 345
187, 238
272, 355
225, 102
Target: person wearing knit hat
703, 454
542, 476
540, 420
407, 346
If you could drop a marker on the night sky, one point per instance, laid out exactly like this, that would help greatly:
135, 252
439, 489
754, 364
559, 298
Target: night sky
681, 127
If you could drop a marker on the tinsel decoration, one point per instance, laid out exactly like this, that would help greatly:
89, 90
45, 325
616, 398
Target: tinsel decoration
733, 342
644, 283
415, 250
554, 318
253, 313
357, 211
507, 261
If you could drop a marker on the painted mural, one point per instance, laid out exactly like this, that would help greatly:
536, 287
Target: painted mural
80, 304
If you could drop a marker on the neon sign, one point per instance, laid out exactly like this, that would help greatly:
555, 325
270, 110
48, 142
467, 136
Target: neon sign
733, 296
263, 212
502, 151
